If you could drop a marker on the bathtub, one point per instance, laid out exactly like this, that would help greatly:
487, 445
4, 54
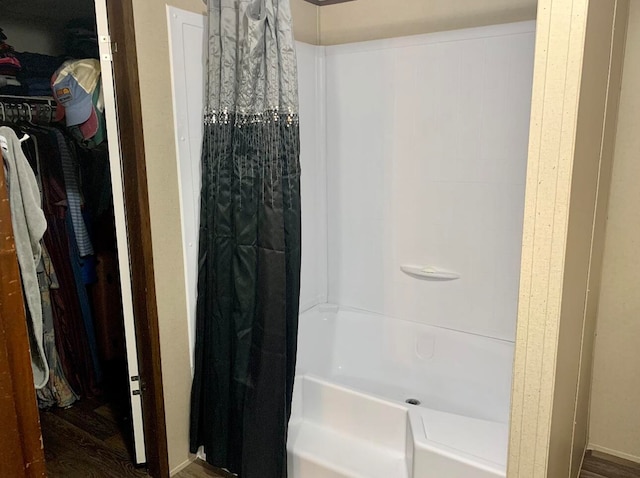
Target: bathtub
383, 397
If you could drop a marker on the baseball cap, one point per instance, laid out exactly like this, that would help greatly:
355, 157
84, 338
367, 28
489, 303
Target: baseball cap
74, 85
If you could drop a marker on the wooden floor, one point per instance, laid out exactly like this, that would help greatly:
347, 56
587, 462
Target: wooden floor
89, 440
200, 469
86, 440
597, 465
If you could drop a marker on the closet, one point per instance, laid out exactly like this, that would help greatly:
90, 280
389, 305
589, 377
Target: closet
61, 164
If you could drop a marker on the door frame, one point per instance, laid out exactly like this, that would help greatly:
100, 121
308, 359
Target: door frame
21, 440
576, 91
21, 451
136, 199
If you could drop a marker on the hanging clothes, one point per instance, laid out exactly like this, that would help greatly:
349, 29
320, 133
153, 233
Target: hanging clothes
72, 342
74, 196
57, 392
29, 225
249, 248
80, 246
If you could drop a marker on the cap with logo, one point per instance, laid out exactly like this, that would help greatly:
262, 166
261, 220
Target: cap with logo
76, 88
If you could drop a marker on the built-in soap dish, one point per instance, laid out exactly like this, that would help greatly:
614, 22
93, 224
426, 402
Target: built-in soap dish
429, 273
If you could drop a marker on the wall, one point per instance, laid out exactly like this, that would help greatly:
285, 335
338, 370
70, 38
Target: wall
306, 23
615, 423
313, 181
426, 166
374, 19
575, 99
24, 35
155, 84
590, 186
37, 32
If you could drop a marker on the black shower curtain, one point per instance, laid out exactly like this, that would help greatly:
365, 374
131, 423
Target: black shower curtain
249, 249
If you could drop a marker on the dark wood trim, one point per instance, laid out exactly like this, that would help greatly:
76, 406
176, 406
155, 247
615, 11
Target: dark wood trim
125, 65
324, 3
21, 453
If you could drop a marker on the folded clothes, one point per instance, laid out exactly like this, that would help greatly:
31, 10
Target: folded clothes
38, 83
21, 90
37, 65
8, 80
10, 61
38, 92
5, 49
9, 71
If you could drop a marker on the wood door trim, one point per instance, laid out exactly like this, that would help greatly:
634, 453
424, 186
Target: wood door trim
21, 452
127, 86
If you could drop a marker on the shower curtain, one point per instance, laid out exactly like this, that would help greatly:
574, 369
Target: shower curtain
249, 248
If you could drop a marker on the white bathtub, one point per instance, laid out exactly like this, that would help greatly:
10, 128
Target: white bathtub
355, 371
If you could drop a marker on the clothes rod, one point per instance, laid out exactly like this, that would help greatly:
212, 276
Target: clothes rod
28, 99
32, 109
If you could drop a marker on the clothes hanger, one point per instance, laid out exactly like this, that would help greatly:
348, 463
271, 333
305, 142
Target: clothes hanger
29, 120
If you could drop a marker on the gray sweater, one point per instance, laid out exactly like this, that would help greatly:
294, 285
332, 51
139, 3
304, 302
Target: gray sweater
29, 225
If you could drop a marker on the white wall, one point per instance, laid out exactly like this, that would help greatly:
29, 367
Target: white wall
311, 73
426, 157
38, 37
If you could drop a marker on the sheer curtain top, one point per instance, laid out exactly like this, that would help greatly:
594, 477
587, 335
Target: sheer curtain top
251, 64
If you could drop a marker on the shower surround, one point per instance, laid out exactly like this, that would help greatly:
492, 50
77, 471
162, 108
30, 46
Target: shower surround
384, 397
413, 153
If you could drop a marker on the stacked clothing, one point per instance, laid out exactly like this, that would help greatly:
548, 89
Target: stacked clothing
25, 74
9, 68
81, 39
36, 73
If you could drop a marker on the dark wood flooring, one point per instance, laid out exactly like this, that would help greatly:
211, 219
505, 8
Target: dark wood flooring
200, 469
86, 440
89, 440
599, 465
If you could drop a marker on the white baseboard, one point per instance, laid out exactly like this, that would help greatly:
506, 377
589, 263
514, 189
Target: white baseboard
582, 461
616, 453
182, 466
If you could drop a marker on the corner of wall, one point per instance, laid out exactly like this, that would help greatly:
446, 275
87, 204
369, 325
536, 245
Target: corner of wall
152, 44
306, 26
613, 422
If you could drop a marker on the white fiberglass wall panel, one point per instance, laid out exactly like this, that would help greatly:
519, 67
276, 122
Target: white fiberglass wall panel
426, 159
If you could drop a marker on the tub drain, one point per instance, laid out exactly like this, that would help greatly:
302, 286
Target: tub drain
412, 401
